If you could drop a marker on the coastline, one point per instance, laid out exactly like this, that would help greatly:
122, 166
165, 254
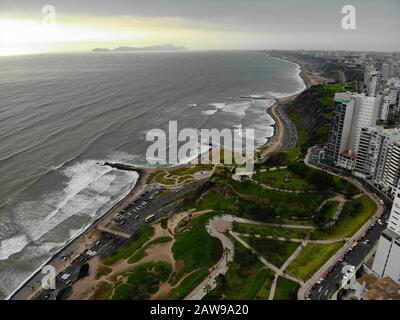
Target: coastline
91, 234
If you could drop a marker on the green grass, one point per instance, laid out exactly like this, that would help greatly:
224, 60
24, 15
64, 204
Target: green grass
292, 155
327, 101
214, 201
104, 291
311, 259
193, 169
143, 281
326, 214
141, 253
196, 248
286, 289
274, 251
349, 224
124, 253
246, 279
285, 204
270, 231
103, 271
188, 284
160, 178
277, 179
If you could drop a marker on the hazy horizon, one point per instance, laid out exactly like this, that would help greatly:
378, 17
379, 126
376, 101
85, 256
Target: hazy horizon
198, 25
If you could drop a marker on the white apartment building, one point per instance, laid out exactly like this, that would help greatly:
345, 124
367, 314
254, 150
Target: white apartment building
387, 257
376, 156
351, 113
365, 115
389, 179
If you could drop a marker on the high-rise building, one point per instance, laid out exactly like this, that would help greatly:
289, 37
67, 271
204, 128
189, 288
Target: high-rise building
391, 170
387, 257
338, 141
365, 115
374, 84
351, 113
372, 152
367, 74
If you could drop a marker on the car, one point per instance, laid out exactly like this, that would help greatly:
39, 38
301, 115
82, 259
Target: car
136, 217
320, 289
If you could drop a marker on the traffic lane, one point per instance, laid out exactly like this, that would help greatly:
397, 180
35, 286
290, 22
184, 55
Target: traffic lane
354, 257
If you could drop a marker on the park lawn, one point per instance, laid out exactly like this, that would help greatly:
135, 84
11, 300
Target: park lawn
103, 291
245, 278
347, 225
196, 248
274, 251
270, 231
286, 289
276, 179
263, 293
141, 253
191, 170
138, 241
216, 201
143, 281
189, 283
311, 259
288, 205
292, 155
160, 178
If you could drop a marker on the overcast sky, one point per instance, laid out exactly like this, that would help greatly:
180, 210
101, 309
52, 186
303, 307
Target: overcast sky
212, 24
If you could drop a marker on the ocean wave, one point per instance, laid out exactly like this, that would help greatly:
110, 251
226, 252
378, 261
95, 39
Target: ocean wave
13, 245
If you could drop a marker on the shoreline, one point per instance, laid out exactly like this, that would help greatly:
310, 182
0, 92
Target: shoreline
91, 233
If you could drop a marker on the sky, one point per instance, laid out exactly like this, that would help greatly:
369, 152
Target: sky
81, 25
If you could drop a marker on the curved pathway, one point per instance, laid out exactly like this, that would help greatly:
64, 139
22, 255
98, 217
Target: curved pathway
216, 227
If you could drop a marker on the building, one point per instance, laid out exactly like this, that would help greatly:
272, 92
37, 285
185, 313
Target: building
389, 179
387, 257
351, 113
338, 141
374, 84
372, 151
366, 111
371, 287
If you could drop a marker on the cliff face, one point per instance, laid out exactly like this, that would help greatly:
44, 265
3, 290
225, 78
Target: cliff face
313, 110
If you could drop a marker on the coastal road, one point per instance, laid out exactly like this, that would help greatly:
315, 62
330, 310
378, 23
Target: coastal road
290, 131
127, 221
355, 257
357, 254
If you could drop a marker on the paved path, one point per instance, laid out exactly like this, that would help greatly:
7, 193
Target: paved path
264, 261
215, 228
288, 226
329, 241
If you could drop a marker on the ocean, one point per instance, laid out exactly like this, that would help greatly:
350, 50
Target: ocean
62, 114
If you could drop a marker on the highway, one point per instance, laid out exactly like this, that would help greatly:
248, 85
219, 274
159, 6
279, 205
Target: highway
290, 136
129, 221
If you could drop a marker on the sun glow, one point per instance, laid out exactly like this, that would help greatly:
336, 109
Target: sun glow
27, 36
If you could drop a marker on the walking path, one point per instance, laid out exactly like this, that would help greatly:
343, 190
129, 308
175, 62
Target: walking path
288, 226
329, 241
216, 227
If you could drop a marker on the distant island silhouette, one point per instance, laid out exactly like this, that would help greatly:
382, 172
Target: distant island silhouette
161, 47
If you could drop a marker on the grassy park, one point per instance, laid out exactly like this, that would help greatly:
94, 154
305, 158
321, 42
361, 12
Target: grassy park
312, 258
